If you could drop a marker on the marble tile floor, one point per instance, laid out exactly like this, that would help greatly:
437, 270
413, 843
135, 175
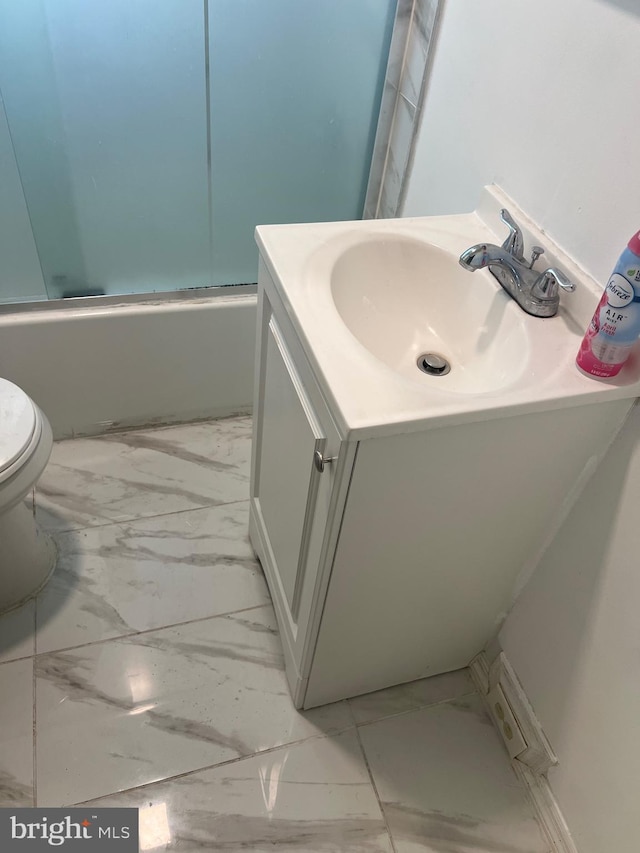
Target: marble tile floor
149, 673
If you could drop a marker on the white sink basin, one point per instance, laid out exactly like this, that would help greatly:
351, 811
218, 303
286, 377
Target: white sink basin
367, 298
402, 297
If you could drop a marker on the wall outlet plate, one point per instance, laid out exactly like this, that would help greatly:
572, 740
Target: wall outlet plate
505, 721
498, 683
538, 755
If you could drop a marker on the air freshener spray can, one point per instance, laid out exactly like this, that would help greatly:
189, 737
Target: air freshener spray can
615, 326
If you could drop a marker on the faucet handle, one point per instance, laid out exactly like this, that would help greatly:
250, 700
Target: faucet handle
514, 244
547, 284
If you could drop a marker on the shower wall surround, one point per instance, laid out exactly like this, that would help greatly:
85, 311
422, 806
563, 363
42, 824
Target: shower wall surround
106, 109
20, 266
149, 139
404, 89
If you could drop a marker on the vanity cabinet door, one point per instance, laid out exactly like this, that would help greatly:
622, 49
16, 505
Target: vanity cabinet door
290, 493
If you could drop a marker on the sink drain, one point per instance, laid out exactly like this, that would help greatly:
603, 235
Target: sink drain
433, 364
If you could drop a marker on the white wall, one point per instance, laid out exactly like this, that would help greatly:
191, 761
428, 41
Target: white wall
539, 97
573, 638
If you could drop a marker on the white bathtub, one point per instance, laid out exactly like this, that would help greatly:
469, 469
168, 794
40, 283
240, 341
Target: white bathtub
93, 366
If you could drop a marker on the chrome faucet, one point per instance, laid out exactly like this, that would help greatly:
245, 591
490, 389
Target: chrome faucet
536, 293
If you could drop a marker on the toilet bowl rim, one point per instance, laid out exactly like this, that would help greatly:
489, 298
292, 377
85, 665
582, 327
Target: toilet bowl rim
23, 459
26, 475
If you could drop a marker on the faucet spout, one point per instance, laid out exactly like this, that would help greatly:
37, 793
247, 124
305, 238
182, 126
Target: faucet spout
535, 292
487, 255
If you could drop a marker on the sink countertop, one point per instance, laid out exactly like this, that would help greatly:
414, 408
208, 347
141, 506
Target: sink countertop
370, 398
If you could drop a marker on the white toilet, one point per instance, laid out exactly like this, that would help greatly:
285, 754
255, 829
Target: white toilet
27, 554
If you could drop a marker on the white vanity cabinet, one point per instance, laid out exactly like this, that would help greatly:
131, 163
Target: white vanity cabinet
400, 558
299, 479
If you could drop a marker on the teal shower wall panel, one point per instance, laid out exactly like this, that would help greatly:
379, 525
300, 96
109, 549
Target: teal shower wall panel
106, 102
20, 273
295, 94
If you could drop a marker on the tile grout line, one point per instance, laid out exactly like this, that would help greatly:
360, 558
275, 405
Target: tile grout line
55, 533
127, 636
208, 767
472, 692
52, 531
224, 615
110, 436
375, 789
15, 660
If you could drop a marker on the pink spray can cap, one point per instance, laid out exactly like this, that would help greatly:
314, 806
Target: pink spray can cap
634, 243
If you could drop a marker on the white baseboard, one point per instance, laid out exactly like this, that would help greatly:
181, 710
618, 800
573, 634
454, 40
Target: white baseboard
546, 808
533, 763
479, 672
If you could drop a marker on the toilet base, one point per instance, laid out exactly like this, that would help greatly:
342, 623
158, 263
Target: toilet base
27, 557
